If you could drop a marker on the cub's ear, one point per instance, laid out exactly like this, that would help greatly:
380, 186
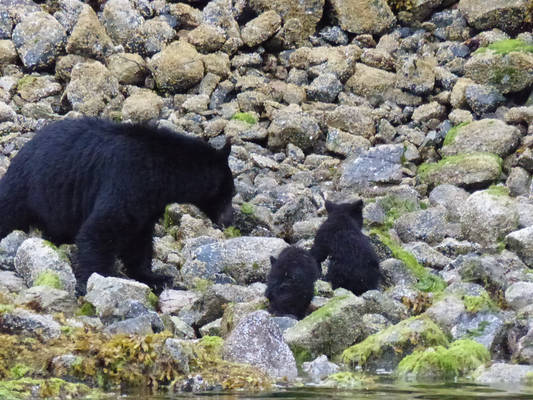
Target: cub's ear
358, 205
330, 206
272, 260
224, 151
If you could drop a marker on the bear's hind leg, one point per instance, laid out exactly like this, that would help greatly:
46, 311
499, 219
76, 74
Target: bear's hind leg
136, 254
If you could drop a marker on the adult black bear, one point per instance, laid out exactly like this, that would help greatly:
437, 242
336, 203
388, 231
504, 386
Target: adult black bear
290, 284
354, 264
103, 186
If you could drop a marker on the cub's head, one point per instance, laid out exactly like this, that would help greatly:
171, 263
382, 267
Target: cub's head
353, 210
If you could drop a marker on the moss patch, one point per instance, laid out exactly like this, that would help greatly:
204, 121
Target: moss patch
48, 278
87, 309
400, 5
247, 209
348, 380
153, 300
24, 81
452, 133
474, 304
427, 282
231, 232
394, 207
498, 190
245, 117
462, 357
404, 337
506, 46
26, 388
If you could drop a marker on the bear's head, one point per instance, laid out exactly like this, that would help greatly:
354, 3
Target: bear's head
352, 210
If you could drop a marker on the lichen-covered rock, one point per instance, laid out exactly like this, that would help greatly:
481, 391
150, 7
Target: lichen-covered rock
39, 39
357, 16
89, 38
121, 20
328, 330
427, 256
509, 71
151, 37
129, 69
34, 88
380, 164
111, 296
292, 125
177, 67
428, 225
261, 28
519, 295
172, 301
24, 322
257, 340
466, 170
354, 120
521, 242
8, 53
346, 144
207, 38
385, 349
446, 312
373, 83
39, 262
487, 328
143, 105
488, 216
507, 15
450, 197
245, 259
8, 249
91, 88
417, 75
486, 135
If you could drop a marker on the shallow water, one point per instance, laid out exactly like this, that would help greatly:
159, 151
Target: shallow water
380, 391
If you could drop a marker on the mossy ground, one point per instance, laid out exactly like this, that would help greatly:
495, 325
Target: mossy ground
398, 338
462, 357
506, 46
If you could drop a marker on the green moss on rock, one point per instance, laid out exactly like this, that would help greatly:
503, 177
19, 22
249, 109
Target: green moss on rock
462, 357
506, 46
48, 278
452, 133
231, 232
498, 190
245, 117
348, 380
387, 347
395, 206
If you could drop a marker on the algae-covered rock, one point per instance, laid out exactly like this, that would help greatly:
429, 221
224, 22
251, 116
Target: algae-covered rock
39, 262
129, 69
328, 330
466, 170
436, 363
486, 135
385, 349
488, 216
47, 299
257, 340
505, 65
373, 83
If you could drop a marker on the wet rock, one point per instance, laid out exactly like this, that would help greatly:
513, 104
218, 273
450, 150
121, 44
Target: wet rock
261, 28
328, 330
89, 38
427, 256
379, 303
519, 295
91, 88
363, 17
508, 73
483, 98
486, 328
380, 164
47, 299
506, 15
38, 261
521, 242
446, 313
121, 20
8, 249
258, 341
486, 135
142, 106
385, 349
23, 322
324, 88
334, 35
39, 39
179, 353
319, 368
292, 125
111, 296
465, 170
129, 69
178, 67
488, 216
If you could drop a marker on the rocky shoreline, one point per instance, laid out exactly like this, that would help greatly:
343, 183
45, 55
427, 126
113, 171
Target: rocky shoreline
422, 108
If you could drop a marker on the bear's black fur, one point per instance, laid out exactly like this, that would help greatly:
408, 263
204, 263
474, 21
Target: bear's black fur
354, 264
104, 185
290, 284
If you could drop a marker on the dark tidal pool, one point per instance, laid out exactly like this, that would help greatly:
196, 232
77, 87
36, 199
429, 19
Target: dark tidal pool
380, 391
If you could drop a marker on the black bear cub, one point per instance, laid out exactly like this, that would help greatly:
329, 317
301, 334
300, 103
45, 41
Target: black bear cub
354, 264
290, 284
104, 185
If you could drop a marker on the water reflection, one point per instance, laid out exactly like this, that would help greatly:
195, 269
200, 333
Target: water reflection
396, 391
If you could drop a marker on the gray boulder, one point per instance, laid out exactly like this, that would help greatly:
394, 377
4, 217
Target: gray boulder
8, 249
501, 373
521, 242
24, 322
121, 20
292, 125
430, 226
357, 16
507, 15
519, 295
319, 368
47, 299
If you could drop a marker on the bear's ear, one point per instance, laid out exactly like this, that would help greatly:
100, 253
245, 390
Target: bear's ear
224, 151
330, 206
272, 260
358, 205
